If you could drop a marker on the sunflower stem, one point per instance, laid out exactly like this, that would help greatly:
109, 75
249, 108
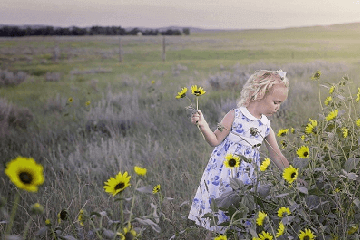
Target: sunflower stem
13, 211
27, 226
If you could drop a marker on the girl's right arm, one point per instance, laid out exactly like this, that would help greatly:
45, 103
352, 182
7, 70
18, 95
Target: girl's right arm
216, 137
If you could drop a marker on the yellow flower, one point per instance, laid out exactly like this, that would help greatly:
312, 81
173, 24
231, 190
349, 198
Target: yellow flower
140, 171
182, 93
283, 144
345, 132
331, 90
327, 100
282, 211
290, 174
265, 236
306, 235
303, 152
353, 229
70, 100
316, 75
303, 137
281, 230
232, 161
282, 132
25, 173
221, 237
358, 95
87, 103
156, 189
260, 218
358, 122
47, 222
63, 215
292, 130
37, 209
128, 233
332, 115
197, 91
265, 164
117, 184
81, 217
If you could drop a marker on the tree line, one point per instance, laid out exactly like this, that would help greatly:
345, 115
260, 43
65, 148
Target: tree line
16, 31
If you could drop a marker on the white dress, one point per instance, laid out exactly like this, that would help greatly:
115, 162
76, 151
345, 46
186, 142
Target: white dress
217, 176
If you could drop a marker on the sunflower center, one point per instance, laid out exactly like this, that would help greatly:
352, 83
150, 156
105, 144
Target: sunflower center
283, 134
232, 162
306, 154
197, 92
306, 238
293, 175
183, 95
119, 186
25, 177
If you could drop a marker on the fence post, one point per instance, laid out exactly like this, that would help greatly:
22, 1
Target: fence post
163, 49
120, 50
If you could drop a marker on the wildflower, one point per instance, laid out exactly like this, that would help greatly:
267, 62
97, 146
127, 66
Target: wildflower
37, 209
232, 161
316, 76
290, 174
182, 93
87, 103
70, 100
306, 235
331, 90
117, 184
303, 152
292, 130
25, 173
221, 237
153, 81
260, 218
47, 222
156, 189
332, 115
282, 211
128, 233
281, 230
353, 229
327, 100
265, 236
81, 217
358, 122
283, 144
358, 95
140, 171
345, 132
265, 164
303, 137
197, 91
282, 132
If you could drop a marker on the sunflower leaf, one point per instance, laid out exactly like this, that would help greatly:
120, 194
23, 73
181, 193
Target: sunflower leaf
351, 163
67, 237
146, 189
41, 231
149, 222
300, 163
303, 190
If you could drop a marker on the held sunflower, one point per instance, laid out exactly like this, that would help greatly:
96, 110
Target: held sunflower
25, 173
117, 184
232, 161
290, 174
182, 93
306, 235
197, 91
303, 152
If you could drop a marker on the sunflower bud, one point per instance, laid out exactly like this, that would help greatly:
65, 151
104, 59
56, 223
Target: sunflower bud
37, 209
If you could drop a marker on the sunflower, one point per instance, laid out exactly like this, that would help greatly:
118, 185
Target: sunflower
221, 237
283, 211
156, 189
232, 161
47, 222
117, 184
332, 88
81, 217
311, 126
283, 144
36, 209
292, 130
87, 103
128, 233
332, 115
345, 132
182, 93
358, 122
306, 235
282, 132
316, 76
140, 171
281, 230
70, 100
260, 218
25, 173
265, 164
197, 91
327, 100
303, 152
290, 174
265, 236
358, 95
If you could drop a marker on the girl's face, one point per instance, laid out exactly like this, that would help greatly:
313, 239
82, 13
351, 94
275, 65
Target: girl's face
270, 104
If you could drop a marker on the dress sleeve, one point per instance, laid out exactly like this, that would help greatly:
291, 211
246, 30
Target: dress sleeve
267, 131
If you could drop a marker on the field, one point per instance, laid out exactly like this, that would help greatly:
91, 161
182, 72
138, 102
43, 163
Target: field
69, 103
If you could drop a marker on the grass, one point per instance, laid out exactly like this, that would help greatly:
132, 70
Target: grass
141, 90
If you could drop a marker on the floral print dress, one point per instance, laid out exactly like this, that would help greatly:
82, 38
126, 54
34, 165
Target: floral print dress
240, 141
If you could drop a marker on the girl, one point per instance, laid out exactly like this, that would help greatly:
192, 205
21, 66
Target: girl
260, 97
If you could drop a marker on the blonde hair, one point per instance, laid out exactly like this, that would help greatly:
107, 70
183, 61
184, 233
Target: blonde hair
259, 84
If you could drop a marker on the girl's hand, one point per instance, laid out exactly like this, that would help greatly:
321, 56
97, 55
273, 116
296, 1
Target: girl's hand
197, 118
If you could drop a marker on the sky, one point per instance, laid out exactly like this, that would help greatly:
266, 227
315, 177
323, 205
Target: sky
208, 14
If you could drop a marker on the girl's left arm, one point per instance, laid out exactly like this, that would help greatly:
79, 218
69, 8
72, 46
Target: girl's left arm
274, 151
